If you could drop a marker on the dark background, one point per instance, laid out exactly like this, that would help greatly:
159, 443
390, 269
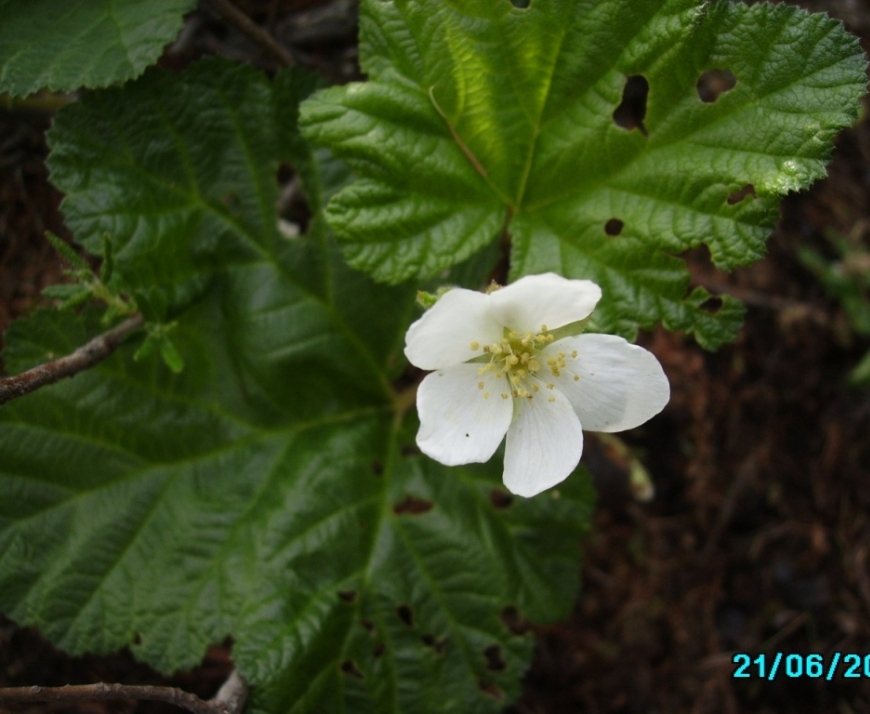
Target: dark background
758, 537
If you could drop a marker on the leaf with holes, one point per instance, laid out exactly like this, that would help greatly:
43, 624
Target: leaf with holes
269, 491
64, 45
604, 135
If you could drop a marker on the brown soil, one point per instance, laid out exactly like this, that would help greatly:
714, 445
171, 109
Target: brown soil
758, 537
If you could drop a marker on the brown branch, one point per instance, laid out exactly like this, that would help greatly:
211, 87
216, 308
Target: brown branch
229, 700
83, 358
252, 30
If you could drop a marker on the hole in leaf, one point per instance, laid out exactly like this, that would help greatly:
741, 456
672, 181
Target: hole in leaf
515, 622
379, 650
347, 595
413, 505
714, 83
490, 689
499, 499
409, 450
377, 468
521, 4
613, 227
370, 626
438, 645
406, 615
712, 304
349, 668
737, 196
494, 660
632, 110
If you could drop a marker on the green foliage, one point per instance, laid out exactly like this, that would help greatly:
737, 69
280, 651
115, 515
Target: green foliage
847, 280
481, 116
269, 490
67, 44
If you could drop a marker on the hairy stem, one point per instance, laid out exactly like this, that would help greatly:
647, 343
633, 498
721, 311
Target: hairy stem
81, 359
229, 700
252, 30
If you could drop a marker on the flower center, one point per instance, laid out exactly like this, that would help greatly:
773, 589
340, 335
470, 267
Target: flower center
516, 358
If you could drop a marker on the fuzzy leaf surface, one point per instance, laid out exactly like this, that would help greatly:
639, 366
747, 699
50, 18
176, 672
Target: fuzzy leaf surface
267, 491
63, 45
480, 115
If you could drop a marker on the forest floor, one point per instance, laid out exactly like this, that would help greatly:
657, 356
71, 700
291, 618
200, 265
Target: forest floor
758, 537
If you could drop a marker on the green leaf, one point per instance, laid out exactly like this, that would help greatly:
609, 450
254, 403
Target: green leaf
67, 44
170, 355
482, 113
67, 252
269, 491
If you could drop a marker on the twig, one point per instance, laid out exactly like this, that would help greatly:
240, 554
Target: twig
248, 27
81, 359
229, 700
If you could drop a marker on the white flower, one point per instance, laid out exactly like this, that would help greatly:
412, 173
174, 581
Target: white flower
502, 366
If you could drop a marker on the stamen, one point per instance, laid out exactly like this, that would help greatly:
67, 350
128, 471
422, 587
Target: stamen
475, 345
534, 365
576, 378
504, 396
480, 385
536, 388
486, 395
573, 353
551, 386
552, 399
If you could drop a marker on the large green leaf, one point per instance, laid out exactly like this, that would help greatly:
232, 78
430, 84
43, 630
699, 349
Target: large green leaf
481, 114
270, 491
67, 44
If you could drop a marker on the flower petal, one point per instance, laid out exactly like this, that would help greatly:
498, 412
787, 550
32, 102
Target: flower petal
547, 299
461, 423
544, 443
443, 335
621, 385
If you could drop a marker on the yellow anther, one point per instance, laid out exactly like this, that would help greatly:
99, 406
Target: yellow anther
551, 386
486, 395
499, 374
504, 396
576, 378
475, 345
557, 373
480, 385
536, 388
522, 373
515, 379
514, 393
512, 359
495, 349
552, 399
524, 357
573, 353
534, 365
550, 338
512, 335
543, 328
